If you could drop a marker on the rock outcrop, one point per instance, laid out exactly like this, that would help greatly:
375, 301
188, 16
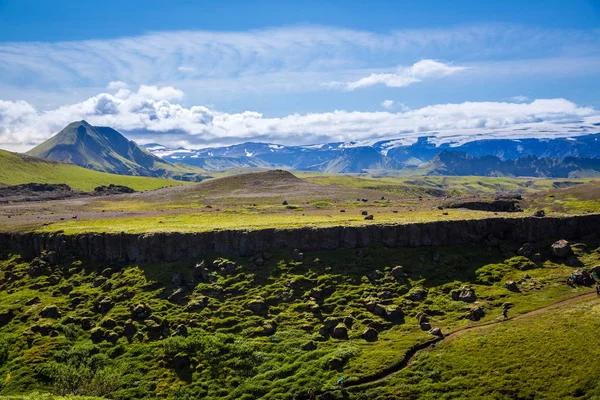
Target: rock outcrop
158, 247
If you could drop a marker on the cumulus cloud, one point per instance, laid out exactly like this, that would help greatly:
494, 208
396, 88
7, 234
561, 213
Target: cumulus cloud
387, 104
405, 76
117, 85
153, 114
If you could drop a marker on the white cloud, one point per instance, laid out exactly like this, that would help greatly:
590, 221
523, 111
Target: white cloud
152, 114
387, 104
289, 59
520, 99
404, 76
117, 85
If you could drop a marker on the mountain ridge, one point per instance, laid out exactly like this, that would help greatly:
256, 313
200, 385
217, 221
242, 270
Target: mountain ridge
106, 150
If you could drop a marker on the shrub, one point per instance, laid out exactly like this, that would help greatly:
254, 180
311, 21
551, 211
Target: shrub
488, 274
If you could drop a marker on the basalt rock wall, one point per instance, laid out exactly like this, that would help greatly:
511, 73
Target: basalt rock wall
122, 248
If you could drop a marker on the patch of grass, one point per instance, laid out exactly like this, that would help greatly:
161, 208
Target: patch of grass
18, 169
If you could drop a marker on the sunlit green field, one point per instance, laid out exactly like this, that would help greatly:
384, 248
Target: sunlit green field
13, 171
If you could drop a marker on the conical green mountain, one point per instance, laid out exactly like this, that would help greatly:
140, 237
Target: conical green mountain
106, 150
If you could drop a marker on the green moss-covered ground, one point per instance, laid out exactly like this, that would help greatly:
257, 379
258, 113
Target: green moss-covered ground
253, 324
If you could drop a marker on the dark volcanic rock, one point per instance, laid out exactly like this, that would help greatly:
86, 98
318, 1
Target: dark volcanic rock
50, 312
466, 294
370, 334
561, 249
475, 314
340, 332
512, 286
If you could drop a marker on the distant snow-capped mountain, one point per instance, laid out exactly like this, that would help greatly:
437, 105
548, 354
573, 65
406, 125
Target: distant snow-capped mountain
389, 154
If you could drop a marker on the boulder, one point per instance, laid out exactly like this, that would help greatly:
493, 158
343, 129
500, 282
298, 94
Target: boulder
317, 293
181, 330
50, 312
466, 294
364, 213
539, 214
129, 329
108, 323
331, 322
6, 317
398, 273
33, 301
201, 272
369, 217
104, 305
99, 281
376, 309
297, 255
309, 346
97, 335
181, 361
422, 317
177, 280
561, 249
340, 332
385, 295
436, 332
111, 337
512, 286
475, 314
425, 326
177, 296
416, 294
269, 328
527, 250
140, 312
86, 323
370, 335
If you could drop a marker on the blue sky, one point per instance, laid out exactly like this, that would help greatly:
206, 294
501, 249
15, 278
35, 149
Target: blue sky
198, 73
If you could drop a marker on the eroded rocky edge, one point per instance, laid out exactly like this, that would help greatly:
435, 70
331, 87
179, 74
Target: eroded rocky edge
157, 247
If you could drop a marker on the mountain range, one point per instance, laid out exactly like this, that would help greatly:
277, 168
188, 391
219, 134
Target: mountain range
106, 150
352, 157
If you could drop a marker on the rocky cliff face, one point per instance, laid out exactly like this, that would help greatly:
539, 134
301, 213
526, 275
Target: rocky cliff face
123, 248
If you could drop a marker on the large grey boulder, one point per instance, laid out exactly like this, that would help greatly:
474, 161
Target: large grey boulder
561, 249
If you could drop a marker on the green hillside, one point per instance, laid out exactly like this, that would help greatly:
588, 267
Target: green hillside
16, 169
240, 328
106, 150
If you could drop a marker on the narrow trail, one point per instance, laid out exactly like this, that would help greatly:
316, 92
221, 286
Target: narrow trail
412, 353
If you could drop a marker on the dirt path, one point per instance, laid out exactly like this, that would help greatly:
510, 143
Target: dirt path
413, 352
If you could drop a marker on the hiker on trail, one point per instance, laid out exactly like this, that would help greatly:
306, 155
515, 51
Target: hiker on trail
311, 393
505, 308
341, 383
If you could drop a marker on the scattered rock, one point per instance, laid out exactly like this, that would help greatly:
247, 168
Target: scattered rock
398, 273
97, 335
181, 330
436, 332
177, 296
86, 323
129, 329
512, 286
539, 214
369, 217
376, 309
112, 189
103, 306
527, 250
416, 294
561, 249
33, 301
466, 294
6, 317
475, 314
422, 317
50, 312
285, 203
140, 312
330, 322
177, 280
425, 326
181, 361
309, 346
197, 304
297, 255
340, 332
111, 337
385, 295
99, 281
201, 272
364, 213
370, 335
108, 323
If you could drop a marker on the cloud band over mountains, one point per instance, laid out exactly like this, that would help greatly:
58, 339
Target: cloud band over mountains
155, 114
